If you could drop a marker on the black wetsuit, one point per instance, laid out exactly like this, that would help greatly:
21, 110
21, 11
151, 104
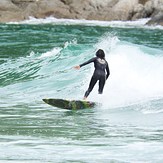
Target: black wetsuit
99, 74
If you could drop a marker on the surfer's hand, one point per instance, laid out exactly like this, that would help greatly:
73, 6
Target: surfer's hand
77, 67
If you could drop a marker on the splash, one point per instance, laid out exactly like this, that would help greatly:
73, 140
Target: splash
107, 42
69, 43
136, 74
52, 52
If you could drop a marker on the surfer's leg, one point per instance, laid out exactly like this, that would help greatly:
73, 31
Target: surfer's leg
91, 86
101, 85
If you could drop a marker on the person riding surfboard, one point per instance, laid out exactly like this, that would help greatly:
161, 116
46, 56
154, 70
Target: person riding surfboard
101, 72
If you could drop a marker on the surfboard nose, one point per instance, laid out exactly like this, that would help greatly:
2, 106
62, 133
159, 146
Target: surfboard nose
45, 100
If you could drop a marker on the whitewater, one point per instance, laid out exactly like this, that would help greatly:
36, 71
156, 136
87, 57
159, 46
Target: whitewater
36, 61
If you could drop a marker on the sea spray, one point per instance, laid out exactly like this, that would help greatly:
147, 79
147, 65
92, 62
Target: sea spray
135, 75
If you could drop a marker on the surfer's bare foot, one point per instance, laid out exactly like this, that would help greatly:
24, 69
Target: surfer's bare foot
85, 98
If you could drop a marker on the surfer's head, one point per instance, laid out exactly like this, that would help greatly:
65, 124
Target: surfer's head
100, 53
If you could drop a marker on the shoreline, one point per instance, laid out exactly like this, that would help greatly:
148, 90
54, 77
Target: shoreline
141, 23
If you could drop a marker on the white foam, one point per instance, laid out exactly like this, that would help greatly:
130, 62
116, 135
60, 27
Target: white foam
72, 42
123, 24
135, 75
50, 53
107, 42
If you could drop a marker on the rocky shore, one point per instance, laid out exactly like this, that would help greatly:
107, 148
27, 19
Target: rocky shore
107, 10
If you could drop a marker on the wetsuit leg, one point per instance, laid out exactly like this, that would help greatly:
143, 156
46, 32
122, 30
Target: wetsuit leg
91, 86
101, 84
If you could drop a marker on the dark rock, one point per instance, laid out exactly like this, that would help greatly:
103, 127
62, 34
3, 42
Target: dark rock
156, 20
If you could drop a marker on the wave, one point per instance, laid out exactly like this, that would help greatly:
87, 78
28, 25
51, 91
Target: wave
136, 74
141, 23
34, 66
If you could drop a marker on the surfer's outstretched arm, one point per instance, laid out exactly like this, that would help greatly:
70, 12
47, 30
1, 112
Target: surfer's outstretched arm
85, 63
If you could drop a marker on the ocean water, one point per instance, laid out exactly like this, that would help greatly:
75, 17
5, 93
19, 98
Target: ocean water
36, 60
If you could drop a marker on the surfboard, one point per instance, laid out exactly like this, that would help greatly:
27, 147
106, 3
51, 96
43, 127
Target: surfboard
70, 104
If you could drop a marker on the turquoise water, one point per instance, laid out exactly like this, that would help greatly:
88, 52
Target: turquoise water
36, 61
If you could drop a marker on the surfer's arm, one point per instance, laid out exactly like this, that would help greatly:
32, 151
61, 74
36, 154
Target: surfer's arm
107, 71
87, 62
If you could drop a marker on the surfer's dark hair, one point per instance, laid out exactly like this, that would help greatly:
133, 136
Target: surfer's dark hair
100, 53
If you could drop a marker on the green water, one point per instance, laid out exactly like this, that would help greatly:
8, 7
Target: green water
36, 62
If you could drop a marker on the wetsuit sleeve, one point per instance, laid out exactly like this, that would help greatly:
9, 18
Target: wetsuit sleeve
87, 62
108, 71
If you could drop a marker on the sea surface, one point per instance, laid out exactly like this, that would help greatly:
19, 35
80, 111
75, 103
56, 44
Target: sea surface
36, 61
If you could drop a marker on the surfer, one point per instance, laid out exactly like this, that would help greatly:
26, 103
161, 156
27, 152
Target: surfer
101, 72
